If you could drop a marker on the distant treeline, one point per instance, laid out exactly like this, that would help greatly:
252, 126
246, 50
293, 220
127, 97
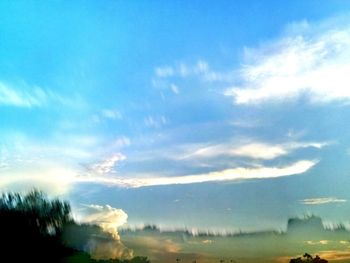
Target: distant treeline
32, 228
302, 225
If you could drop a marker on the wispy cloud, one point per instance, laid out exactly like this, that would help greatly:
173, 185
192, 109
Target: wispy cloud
111, 114
29, 96
164, 71
106, 166
255, 150
322, 200
174, 88
22, 98
321, 242
155, 122
200, 69
236, 174
302, 63
54, 165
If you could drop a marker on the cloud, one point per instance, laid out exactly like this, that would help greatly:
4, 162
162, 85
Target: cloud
335, 255
321, 242
52, 178
27, 96
235, 174
255, 150
108, 244
121, 142
107, 217
174, 88
4, 159
155, 122
111, 114
303, 63
155, 245
107, 165
164, 72
322, 200
10, 96
200, 69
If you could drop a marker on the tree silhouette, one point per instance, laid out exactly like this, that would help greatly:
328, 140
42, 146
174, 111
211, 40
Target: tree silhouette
307, 258
32, 227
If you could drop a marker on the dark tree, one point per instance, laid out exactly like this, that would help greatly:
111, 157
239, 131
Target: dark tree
31, 225
307, 258
32, 228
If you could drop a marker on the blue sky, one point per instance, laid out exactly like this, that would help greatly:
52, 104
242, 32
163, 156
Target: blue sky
225, 115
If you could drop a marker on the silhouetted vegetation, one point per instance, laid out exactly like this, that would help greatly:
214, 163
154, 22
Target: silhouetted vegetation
307, 258
31, 226
31, 230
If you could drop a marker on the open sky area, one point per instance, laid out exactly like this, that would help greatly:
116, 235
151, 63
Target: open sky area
219, 115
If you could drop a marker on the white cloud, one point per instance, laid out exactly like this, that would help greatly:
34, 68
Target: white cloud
309, 64
52, 178
255, 150
174, 88
164, 72
121, 142
246, 123
156, 245
111, 114
155, 122
107, 165
4, 159
26, 98
26, 163
107, 217
322, 200
235, 174
200, 69
321, 242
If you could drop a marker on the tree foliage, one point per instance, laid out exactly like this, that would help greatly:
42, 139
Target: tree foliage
32, 227
307, 258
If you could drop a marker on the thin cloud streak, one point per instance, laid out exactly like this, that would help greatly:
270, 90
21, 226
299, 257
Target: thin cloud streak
200, 69
322, 200
11, 97
254, 150
235, 174
31, 96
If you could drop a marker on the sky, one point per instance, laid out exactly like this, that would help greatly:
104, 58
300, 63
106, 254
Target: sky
220, 115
